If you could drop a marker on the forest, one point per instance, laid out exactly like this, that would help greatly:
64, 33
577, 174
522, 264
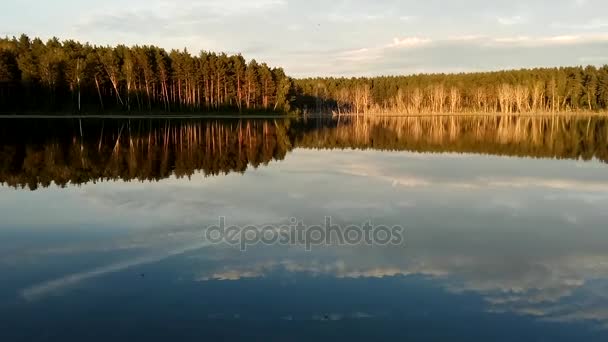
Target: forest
75, 78
71, 77
541, 90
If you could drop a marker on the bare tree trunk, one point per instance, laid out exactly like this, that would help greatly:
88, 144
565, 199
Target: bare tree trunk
99, 92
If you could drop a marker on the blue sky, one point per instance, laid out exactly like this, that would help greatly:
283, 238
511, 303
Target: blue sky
339, 38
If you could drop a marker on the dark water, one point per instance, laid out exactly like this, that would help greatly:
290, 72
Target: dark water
102, 229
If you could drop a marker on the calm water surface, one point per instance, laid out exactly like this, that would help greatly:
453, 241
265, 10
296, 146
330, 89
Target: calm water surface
102, 229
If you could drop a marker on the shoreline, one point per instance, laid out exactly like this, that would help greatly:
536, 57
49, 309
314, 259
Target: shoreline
141, 116
477, 114
286, 116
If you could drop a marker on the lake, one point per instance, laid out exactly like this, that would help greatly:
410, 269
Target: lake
106, 229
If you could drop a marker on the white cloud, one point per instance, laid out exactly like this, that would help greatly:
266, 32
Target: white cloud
352, 18
594, 24
564, 39
467, 38
409, 42
508, 21
517, 39
543, 41
593, 59
222, 7
360, 55
367, 55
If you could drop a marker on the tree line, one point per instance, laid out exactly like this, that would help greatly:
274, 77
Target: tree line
73, 77
541, 90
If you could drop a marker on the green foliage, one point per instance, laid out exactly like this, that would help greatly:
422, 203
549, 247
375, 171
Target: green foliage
9, 70
73, 77
525, 90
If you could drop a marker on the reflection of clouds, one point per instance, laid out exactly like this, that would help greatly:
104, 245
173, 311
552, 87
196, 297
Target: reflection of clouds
512, 205
492, 183
571, 218
171, 203
141, 243
588, 198
314, 268
549, 288
538, 274
35, 254
57, 285
338, 269
232, 275
408, 182
389, 168
580, 304
352, 205
556, 184
341, 316
293, 195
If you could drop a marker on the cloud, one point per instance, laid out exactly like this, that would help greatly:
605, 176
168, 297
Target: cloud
594, 24
171, 24
546, 41
467, 38
416, 54
518, 39
360, 55
508, 21
352, 18
564, 39
375, 54
409, 42
215, 8
594, 59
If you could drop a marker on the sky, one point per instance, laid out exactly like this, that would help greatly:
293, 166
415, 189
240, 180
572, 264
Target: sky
341, 37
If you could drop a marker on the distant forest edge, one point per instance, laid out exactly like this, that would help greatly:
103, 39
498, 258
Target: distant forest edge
541, 90
75, 78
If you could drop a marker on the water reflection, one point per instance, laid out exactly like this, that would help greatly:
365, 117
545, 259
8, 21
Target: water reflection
495, 248
39, 153
549, 137
78, 152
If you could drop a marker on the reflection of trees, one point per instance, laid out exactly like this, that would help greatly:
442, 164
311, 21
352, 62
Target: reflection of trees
135, 149
541, 137
70, 151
